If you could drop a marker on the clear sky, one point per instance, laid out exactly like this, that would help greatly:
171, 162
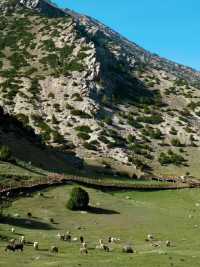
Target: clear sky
170, 28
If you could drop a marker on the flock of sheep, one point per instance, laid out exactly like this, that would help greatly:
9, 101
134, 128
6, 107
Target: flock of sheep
15, 245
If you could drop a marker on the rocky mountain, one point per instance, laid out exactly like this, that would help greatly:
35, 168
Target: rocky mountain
83, 88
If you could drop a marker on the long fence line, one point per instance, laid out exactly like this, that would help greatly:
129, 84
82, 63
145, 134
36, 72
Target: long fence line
57, 179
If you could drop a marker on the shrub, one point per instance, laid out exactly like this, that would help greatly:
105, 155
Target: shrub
83, 135
153, 119
79, 199
176, 142
171, 158
153, 133
90, 146
83, 128
51, 95
80, 113
173, 131
5, 153
108, 120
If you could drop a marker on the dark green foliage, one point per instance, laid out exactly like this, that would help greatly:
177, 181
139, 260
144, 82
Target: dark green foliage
23, 119
171, 158
176, 142
152, 133
83, 135
46, 131
153, 119
108, 120
68, 106
133, 122
173, 131
35, 87
80, 113
77, 97
49, 45
79, 199
17, 60
5, 153
83, 128
91, 145
74, 65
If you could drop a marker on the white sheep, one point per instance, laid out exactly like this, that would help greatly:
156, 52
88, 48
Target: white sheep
102, 246
13, 230
22, 239
127, 249
168, 243
54, 249
12, 241
113, 239
149, 237
83, 248
60, 236
36, 245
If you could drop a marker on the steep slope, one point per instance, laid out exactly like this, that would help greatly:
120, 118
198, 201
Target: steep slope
82, 86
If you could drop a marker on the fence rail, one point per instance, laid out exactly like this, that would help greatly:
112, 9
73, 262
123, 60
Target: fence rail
57, 179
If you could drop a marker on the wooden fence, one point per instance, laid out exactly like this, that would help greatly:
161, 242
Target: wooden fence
57, 179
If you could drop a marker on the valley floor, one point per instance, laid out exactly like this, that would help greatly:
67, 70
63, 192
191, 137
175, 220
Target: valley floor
131, 216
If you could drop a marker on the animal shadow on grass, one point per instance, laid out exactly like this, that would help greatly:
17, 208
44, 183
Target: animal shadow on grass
27, 223
97, 210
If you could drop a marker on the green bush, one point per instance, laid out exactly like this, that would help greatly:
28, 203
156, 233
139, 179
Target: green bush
5, 153
83, 135
80, 113
176, 142
79, 199
83, 128
171, 158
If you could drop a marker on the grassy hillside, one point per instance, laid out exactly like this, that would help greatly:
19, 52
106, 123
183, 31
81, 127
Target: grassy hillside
170, 215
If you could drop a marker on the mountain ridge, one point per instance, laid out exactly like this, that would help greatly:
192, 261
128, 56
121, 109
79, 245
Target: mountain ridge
84, 87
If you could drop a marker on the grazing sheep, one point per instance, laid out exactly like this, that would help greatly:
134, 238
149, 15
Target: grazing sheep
51, 220
83, 249
64, 237
61, 237
102, 246
19, 246
113, 239
155, 245
75, 239
36, 245
149, 238
10, 247
127, 249
13, 230
29, 214
54, 249
67, 237
22, 239
12, 241
14, 247
168, 243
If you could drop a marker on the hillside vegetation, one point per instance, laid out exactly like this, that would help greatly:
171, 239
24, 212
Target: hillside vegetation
87, 92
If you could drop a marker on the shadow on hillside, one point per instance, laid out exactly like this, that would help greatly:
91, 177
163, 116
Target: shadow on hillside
27, 146
97, 210
26, 223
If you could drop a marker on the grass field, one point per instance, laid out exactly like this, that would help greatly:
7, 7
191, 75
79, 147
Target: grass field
127, 215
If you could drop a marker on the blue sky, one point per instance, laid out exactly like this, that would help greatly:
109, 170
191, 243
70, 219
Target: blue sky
170, 28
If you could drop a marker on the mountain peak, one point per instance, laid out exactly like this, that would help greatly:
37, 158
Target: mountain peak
44, 7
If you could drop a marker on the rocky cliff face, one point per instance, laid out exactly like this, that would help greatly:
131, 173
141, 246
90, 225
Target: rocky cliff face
83, 87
